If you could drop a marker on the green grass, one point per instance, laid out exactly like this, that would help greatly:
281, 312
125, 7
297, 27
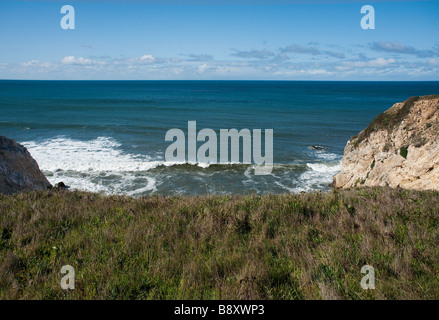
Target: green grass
305, 246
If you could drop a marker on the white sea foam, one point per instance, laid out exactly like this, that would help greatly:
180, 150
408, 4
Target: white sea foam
203, 165
101, 154
327, 156
319, 175
97, 165
283, 186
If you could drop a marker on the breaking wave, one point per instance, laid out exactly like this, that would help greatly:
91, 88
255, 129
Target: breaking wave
101, 165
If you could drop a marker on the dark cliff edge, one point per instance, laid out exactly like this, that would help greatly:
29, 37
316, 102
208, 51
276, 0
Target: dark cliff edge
18, 170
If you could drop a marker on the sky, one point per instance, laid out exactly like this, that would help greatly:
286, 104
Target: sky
220, 40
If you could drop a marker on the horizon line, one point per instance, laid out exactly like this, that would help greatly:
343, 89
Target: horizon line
194, 80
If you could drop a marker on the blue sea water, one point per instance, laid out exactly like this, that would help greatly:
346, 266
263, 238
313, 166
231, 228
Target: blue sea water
109, 136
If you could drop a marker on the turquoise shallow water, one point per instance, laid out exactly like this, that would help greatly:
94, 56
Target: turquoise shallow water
109, 136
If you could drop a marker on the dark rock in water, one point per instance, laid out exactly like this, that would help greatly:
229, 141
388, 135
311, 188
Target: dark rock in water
18, 170
318, 147
61, 185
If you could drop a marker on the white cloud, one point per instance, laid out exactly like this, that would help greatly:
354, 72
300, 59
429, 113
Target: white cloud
72, 60
148, 66
304, 72
203, 68
145, 59
317, 71
36, 63
375, 63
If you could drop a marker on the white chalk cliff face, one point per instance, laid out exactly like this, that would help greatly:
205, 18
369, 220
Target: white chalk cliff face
400, 148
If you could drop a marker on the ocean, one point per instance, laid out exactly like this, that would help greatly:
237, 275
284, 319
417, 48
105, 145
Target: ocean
109, 136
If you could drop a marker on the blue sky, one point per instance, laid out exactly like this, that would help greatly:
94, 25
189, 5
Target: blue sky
314, 40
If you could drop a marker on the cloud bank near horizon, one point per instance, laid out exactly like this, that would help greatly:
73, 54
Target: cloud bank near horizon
295, 61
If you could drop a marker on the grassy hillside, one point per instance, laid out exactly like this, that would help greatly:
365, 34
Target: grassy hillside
305, 246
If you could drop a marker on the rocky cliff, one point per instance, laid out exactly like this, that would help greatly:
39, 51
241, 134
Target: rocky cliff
18, 170
400, 148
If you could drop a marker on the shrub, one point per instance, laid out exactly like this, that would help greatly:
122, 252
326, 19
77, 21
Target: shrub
403, 151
